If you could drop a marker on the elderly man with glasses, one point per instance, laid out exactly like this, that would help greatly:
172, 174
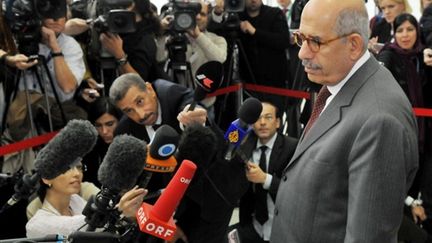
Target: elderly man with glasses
357, 156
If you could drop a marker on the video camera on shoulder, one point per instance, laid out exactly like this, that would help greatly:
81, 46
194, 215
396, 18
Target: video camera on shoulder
184, 14
25, 20
113, 17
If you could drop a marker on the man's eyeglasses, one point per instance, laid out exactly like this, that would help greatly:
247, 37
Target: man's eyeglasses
314, 43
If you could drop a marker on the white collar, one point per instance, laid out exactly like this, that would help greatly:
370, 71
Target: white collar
269, 144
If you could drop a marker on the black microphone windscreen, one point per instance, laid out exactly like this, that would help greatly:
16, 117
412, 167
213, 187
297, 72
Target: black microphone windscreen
197, 143
164, 143
123, 163
74, 141
250, 110
209, 76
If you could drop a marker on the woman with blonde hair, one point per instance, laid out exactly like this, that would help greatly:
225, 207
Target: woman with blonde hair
382, 28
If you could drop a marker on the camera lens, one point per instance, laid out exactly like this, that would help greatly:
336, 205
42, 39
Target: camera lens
184, 21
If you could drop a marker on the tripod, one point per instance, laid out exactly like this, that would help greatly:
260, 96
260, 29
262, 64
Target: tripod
235, 47
41, 73
178, 68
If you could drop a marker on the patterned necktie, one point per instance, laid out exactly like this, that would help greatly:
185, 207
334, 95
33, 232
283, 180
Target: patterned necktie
320, 102
261, 212
285, 10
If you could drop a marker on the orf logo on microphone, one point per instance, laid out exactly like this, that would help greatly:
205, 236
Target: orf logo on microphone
154, 226
185, 180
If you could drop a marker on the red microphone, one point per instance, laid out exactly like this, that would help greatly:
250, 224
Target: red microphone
157, 220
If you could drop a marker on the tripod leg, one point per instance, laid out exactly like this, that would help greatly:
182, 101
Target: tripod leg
180, 78
63, 116
46, 101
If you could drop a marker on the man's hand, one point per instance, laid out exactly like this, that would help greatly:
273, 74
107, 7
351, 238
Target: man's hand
219, 7
418, 213
195, 32
255, 174
20, 61
427, 56
166, 22
49, 38
113, 43
198, 115
247, 27
179, 234
131, 201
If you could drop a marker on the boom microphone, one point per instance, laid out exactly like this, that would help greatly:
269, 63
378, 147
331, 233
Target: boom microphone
119, 170
74, 141
157, 220
248, 114
160, 156
208, 78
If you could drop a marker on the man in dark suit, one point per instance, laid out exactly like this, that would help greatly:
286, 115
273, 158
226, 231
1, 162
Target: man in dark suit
357, 156
148, 105
268, 149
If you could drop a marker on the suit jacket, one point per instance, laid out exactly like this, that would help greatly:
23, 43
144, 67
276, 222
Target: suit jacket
283, 150
172, 98
350, 174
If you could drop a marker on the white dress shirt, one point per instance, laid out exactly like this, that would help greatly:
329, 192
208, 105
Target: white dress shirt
265, 229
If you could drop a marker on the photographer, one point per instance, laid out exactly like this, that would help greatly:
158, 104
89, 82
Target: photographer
9, 60
202, 45
136, 52
62, 54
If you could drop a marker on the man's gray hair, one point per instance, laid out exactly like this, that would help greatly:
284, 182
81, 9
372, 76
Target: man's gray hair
123, 83
353, 21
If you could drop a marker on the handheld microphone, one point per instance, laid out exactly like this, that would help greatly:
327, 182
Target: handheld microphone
119, 170
248, 114
160, 154
157, 220
74, 141
208, 79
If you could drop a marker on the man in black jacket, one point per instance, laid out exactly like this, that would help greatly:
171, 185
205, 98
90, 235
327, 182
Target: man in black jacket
265, 36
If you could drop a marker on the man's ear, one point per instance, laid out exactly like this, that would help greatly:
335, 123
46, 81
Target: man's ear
356, 46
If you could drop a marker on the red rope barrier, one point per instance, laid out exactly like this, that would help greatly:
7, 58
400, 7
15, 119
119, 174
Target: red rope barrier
28, 143
422, 112
35, 141
277, 91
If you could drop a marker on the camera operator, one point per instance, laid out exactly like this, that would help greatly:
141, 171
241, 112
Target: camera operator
62, 54
9, 60
136, 52
202, 46
265, 37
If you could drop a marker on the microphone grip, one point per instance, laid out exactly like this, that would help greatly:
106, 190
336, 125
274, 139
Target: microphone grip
230, 152
144, 179
192, 105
